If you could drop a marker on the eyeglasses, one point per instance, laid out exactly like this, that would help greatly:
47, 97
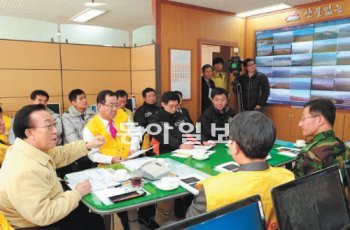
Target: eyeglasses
251, 64
304, 118
48, 127
112, 106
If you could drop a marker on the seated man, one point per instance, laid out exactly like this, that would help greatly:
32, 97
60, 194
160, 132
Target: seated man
31, 195
149, 107
252, 136
181, 109
122, 100
169, 135
214, 120
110, 122
77, 116
42, 97
324, 149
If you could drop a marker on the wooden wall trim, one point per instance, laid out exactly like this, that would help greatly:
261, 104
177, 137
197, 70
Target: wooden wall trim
227, 13
200, 42
299, 7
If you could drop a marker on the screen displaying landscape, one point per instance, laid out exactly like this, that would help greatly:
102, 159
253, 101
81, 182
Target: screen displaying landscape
307, 62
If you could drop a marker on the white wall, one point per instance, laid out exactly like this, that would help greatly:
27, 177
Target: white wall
144, 35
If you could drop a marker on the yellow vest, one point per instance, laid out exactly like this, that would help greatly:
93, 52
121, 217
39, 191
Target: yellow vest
228, 187
4, 224
7, 121
120, 146
220, 82
129, 113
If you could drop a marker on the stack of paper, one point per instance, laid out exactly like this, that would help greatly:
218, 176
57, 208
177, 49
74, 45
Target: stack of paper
99, 178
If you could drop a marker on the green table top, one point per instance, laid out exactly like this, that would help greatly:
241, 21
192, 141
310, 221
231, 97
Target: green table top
220, 156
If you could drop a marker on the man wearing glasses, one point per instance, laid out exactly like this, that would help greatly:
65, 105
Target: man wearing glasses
324, 149
110, 123
31, 194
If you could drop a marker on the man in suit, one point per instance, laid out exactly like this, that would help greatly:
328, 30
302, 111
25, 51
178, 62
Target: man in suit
207, 86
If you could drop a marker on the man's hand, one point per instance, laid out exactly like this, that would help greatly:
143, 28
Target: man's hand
96, 142
186, 146
116, 160
84, 187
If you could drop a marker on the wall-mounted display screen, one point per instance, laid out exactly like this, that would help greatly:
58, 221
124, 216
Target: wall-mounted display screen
306, 62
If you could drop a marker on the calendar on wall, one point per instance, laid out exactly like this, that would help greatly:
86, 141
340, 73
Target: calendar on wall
180, 72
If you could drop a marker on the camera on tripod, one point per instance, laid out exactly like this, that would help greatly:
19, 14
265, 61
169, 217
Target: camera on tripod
235, 66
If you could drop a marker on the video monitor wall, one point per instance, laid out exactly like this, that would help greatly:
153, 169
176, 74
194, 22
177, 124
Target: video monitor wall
307, 62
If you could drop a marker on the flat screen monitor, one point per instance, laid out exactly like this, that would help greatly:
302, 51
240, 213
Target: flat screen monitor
55, 107
316, 201
243, 215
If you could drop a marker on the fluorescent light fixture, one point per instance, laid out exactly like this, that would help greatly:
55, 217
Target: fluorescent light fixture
87, 15
263, 10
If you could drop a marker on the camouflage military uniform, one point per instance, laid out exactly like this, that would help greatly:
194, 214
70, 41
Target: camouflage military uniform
324, 150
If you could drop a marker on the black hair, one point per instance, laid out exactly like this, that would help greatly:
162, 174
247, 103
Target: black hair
22, 119
74, 94
254, 133
0, 109
246, 61
39, 92
324, 107
218, 91
170, 96
206, 66
147, 90
218, 60
178, 93
121, 93
101, 97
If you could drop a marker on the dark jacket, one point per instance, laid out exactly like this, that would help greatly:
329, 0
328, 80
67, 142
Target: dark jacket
213, 116
175, 135
144, 112
185, 112
206, 102
255, 90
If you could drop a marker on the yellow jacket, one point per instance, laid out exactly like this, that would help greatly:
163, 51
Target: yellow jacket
228, 187
220, 81
4, 225
30, 193
120, 146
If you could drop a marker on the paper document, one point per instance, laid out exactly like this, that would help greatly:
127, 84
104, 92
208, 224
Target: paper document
139, 152
99, 178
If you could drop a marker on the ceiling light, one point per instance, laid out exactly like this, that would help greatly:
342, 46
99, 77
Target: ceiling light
93, 3
87, 15
263, 10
